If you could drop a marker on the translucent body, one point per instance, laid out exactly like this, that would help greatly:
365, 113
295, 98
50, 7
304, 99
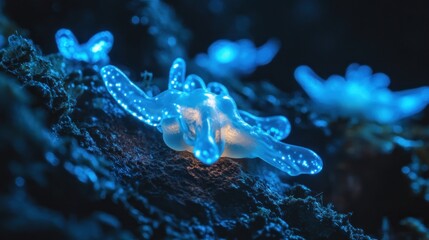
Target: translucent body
96, 50
226, 58
205, 121
361, 94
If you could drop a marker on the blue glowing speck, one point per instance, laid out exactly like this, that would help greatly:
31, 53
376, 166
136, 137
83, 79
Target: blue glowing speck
135, 20
228, 58
51, 158
205, 120
361, 94
171, 41
96, 50
19, 181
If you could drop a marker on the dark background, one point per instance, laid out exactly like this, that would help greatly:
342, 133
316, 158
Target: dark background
390, 36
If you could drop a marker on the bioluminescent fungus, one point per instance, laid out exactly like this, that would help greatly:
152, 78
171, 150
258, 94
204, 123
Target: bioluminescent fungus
228, 58
96, 50
205, 120
361, 94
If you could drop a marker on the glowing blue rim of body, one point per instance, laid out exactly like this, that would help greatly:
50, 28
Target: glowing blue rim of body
205, 120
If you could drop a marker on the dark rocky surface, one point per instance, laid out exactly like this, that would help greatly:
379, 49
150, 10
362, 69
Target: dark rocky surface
74, 166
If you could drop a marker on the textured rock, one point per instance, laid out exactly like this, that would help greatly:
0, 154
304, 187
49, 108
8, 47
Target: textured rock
75, 162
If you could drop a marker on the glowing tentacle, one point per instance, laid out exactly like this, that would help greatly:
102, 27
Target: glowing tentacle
267, 52
99, 46
193, 82
411, 101
310, 81
67, 43
177, 74
150, 110
291, 159
277, 127
206, 148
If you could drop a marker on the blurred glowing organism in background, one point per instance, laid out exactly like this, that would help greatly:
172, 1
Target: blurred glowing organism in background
361, 94
2, 40
96, 50
205, 120
228, 58
417, 173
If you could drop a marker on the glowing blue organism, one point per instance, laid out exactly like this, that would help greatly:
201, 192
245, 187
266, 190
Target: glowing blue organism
361, 94
204, 120
227, 58
96, 50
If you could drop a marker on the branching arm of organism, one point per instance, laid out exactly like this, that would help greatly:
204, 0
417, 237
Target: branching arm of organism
205, 120
361, 94
96, 50
234, 59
